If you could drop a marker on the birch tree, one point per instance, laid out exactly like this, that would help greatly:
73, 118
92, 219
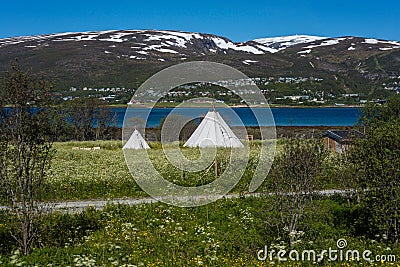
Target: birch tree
26, 138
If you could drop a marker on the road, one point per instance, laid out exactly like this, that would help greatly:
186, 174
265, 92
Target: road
76, 206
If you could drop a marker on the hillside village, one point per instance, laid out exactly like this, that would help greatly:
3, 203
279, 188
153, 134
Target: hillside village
276, 91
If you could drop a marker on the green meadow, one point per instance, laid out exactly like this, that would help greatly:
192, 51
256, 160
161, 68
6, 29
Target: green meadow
228, 232
78, 173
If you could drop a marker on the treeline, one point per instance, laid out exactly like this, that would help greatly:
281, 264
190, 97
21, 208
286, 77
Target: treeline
85, 119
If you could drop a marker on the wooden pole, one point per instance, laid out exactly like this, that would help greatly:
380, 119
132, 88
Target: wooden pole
216, 166
227, 156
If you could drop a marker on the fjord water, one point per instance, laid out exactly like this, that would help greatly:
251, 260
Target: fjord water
328, 116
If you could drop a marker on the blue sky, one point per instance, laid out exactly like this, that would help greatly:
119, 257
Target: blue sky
237, 20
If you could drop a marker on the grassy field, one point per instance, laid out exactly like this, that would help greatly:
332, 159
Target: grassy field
88, 174
224, 233
103, 174
228, 232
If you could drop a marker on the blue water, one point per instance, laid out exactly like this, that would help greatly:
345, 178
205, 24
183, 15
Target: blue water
282, 116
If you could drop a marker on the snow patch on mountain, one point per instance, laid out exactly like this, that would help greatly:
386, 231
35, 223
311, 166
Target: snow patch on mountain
224, 44
371, 41
164, 50
276, 44
178, 41
248, 61
135, 57
389, 45
389, 48
267, 49
185, 35
308, 51
329, 42
180, 38
325, 42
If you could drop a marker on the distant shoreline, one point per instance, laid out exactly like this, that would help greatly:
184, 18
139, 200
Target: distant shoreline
237, 106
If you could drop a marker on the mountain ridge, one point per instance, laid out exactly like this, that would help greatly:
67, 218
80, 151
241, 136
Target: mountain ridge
155, 30
181, 37
128, 57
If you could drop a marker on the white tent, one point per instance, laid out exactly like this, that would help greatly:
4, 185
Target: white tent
136, 141
213, 131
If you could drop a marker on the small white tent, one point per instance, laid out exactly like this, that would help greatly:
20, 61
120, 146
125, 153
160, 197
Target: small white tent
136, 141
213, 131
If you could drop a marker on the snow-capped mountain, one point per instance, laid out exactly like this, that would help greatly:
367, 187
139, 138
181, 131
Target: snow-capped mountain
143, 44
130, 56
